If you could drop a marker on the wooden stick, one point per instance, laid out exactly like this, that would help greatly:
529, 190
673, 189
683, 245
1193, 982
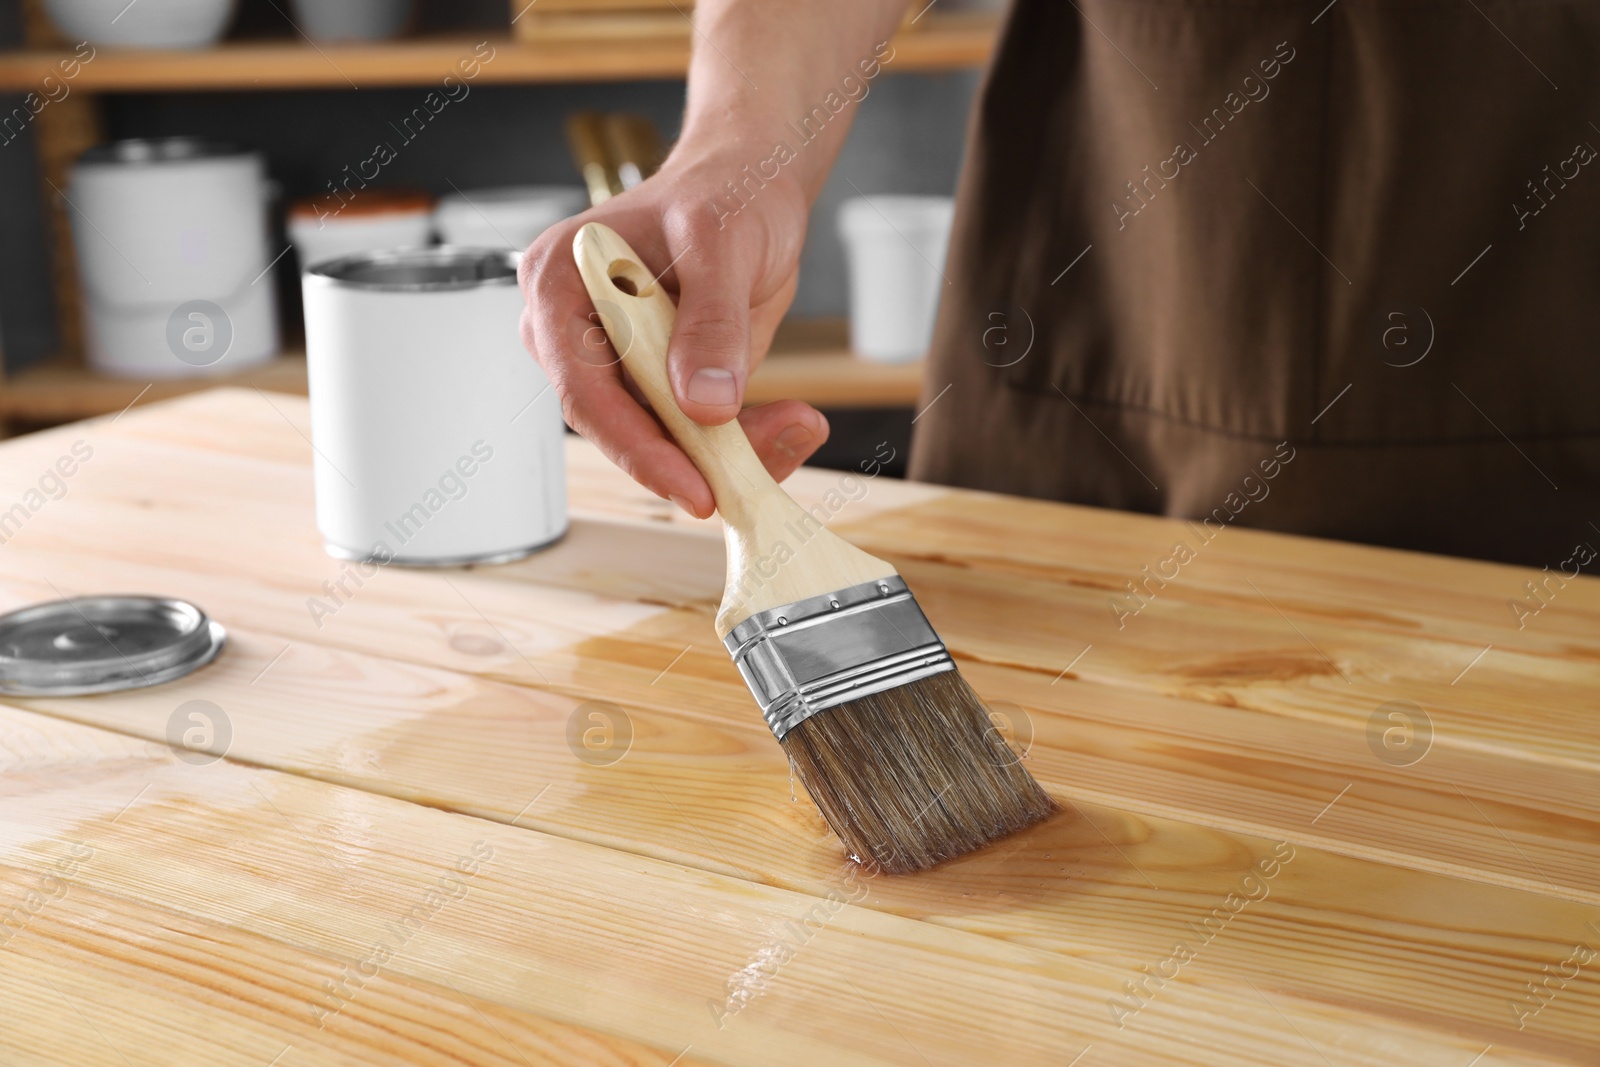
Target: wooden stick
588, 150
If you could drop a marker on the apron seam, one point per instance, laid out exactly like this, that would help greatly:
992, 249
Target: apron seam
1222, 431
1319, 313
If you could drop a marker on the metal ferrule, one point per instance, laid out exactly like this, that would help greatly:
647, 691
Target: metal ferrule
808, 656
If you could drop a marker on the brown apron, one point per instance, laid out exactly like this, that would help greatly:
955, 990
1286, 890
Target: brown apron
1198, 242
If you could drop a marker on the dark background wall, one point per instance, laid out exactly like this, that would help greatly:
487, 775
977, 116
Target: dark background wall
908, 137
27, 324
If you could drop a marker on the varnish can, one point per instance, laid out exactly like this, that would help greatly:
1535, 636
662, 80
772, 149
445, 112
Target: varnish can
437, 437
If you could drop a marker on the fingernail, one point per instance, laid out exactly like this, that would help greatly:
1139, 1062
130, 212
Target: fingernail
793, 437
684, 505
713, 387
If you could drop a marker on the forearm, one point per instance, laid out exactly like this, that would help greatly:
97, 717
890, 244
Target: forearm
776, 84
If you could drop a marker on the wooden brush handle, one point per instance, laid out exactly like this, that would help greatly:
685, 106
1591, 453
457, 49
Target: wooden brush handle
634, 145
586, 142
640, 326
777, 553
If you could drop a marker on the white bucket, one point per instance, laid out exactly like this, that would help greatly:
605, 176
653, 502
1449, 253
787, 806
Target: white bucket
895, 247
171, 241
438, 438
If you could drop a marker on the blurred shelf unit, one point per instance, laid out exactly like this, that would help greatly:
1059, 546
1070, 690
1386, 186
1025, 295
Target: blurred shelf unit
592, 49
810, 360
561, 41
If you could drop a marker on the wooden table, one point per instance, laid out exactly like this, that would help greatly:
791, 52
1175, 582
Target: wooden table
413, 854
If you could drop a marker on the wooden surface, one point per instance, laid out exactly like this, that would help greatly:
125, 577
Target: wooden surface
810, 361
304, 899
940, 42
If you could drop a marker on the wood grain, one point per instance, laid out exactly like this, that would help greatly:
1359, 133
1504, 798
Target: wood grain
1104, 882
1420, 900
402, 918
523, 643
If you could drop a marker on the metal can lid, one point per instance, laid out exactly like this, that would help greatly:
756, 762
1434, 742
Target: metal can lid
418, 270
100, 644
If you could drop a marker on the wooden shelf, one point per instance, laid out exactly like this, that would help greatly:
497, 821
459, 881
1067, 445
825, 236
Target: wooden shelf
58, 391
810, 361
947, 42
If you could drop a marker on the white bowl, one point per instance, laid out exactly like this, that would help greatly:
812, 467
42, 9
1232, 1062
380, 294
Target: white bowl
313, 245
323, 228
145, 24
507, 217
351, 20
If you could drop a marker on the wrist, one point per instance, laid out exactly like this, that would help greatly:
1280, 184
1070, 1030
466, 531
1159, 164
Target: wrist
719, 187
740, 165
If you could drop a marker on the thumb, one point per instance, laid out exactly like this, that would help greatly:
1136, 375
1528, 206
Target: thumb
708, 358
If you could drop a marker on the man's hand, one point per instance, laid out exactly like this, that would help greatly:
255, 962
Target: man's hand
733, 273
733, 276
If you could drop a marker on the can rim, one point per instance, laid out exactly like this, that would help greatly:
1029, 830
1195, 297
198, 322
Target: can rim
154, 151
364, 270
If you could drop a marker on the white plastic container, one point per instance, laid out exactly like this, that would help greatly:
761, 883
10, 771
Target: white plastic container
438, 438
171, 241
145, 24
352, 20
895, 247
323, 227
506, 217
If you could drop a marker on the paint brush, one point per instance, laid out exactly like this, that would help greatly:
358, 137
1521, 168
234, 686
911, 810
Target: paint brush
894, 747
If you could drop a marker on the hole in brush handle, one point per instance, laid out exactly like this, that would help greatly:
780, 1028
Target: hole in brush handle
631, 279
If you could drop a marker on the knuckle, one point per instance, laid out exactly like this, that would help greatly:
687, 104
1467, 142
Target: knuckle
691, 224
570, 412
533, 261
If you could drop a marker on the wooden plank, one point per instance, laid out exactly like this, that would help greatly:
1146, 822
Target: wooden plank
1384, 590
107, 980
1474, 814
63, 390
575, 639
349, 926
809, 361
941, 42
63, 129
1161, 784
62, 132
423, 734
1245, 654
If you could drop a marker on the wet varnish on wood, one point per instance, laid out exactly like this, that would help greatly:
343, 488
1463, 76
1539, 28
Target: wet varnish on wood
529, 814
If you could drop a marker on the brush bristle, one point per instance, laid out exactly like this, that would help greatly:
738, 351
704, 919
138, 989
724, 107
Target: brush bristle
916, 775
